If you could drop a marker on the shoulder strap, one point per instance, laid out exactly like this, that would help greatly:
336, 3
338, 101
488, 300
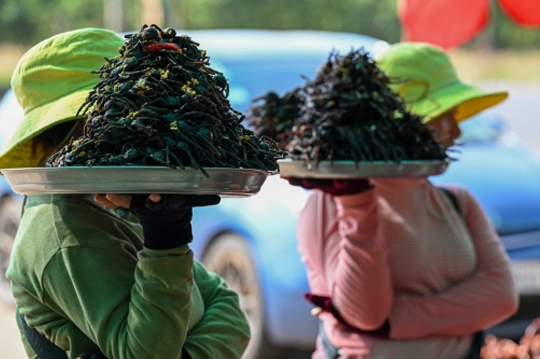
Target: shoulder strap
476, 346
452, 197
44, 348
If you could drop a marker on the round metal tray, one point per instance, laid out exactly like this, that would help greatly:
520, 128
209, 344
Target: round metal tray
226, 182
350, 169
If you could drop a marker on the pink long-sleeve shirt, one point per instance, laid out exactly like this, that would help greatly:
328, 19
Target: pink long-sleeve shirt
401, 252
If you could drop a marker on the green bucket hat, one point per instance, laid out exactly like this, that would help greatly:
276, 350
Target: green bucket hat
426, 79
51, 81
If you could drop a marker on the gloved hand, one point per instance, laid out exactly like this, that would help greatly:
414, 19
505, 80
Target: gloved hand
167, 223
91, 356
335, 187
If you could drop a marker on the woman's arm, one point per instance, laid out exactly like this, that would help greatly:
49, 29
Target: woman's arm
480, 300
223, 331
345, 254
142, 317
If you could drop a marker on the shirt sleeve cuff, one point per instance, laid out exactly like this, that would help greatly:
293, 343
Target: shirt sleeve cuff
176, 251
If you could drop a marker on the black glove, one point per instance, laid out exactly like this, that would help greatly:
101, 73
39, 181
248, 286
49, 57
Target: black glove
167, 223
91, 356
335, 187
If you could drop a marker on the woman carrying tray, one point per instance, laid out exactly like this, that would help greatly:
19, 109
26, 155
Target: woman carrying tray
396, 270
84, 278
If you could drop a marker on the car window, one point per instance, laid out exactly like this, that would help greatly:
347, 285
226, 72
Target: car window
256, 62
481, 128
248, 82
11, 115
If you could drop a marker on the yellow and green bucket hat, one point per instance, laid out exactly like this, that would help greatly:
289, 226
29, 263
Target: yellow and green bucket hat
51, 81
423, 75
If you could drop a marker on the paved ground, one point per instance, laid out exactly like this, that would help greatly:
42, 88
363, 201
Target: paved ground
10, 342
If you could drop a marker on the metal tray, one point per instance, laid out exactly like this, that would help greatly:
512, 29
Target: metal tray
350, 169
226, 182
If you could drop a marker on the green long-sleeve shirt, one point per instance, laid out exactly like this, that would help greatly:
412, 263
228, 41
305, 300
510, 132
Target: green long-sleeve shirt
81, 276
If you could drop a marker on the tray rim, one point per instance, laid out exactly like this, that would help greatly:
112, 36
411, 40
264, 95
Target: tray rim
377, 162
233, 169
331, 168
199, 185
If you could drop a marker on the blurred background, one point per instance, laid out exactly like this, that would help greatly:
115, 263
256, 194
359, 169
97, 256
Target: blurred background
493, 44
511, 47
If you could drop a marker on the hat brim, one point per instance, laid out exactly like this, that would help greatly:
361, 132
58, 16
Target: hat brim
18, 150
468, 100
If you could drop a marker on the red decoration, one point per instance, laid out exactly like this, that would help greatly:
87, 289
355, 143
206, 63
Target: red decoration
524, 12
160, 46
451, 23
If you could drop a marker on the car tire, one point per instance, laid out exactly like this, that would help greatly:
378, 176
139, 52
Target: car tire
229, 256
10, 215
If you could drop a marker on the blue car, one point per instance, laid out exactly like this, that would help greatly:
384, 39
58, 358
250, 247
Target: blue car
10, 203
251, 242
